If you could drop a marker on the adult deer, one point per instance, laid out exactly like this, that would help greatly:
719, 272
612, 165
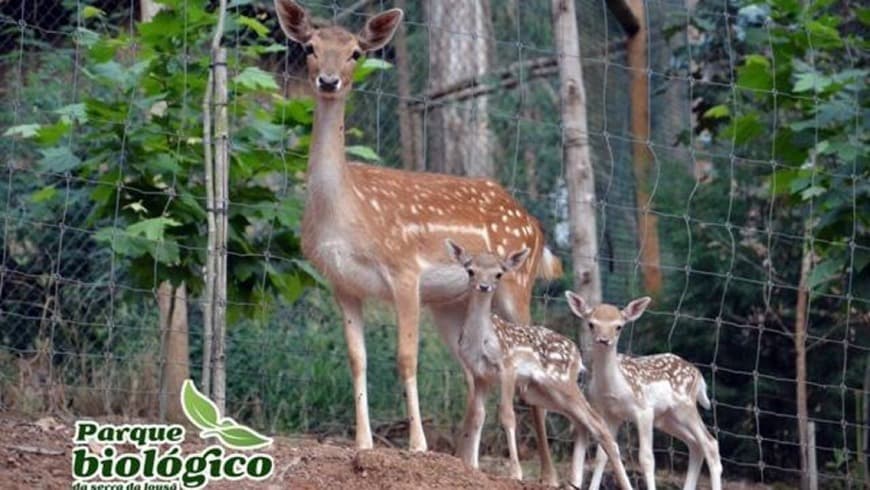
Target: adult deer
378, 233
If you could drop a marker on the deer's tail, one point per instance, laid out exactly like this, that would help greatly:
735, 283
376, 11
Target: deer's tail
551, 266
701, 395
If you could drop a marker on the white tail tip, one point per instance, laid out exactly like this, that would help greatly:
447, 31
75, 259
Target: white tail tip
551, 266
702, 395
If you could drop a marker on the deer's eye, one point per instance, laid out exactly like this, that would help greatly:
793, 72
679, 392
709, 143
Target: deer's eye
618, 328
356, 55
470, 272
309, 49
498, 276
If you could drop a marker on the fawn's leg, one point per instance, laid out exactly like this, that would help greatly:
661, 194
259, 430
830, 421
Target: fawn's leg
351, 309
709, 445
578, 457
675, 426
406, 297
644, 422
475, 414
508, 418
548, 471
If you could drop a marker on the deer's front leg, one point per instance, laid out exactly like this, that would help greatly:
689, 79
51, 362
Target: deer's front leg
508, 417
407, 302
351, 309
475, 415
644, 422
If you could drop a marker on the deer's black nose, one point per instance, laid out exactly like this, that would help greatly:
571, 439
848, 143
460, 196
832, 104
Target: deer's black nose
485, 287
328, 83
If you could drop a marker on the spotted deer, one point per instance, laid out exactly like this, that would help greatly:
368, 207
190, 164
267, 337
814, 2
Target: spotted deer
539, 363
658, 391
378, 233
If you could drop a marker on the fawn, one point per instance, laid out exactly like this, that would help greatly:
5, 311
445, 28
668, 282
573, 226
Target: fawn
659, 391
540, 363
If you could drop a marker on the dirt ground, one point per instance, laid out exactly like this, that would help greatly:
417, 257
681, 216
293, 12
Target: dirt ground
36, 454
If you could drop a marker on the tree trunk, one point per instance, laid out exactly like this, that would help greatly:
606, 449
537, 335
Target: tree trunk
647, 223
174, 360
403, 72
458, 135
579, 174
800, 347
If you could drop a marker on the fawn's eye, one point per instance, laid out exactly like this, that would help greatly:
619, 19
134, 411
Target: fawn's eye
470, 272
356, 55
498, 276
618, 328
309, 49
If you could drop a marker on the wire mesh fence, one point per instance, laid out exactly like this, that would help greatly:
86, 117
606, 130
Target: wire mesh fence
103, 200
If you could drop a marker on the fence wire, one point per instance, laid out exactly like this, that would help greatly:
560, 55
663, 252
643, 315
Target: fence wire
78, 324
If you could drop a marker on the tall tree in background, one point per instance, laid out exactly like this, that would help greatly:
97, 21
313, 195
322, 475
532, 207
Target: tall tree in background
458, 136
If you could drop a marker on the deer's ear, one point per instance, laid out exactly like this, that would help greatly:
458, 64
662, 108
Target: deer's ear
294, 20
457, 252
635, 309
379, 30
578, 305
515, 260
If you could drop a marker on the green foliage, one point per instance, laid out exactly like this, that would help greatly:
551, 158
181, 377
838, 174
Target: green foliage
138, 135
782, 98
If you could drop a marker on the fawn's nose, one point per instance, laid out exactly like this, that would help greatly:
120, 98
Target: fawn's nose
328, 83
485, 288
603, 340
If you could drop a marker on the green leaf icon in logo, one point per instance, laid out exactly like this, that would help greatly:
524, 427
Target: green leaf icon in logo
204, 414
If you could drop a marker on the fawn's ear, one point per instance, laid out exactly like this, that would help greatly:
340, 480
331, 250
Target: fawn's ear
457, 252
578, 305
294, 20
635, 309
515, 260
379, 30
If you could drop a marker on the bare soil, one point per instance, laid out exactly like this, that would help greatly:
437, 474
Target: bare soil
36, 454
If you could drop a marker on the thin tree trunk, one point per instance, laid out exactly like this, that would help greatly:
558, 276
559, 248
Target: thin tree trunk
458, 136
647, 222
403, 71
174, 352
221, 162
800, 347
579, 174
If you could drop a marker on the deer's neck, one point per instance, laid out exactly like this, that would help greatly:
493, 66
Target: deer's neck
327, 167
606, 366
478, 341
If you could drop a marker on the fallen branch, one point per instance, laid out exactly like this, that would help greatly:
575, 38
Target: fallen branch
35, 450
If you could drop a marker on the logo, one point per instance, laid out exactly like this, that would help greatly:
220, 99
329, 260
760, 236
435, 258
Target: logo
157, 462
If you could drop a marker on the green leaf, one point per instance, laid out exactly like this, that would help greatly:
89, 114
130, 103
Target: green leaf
23, 130
254, 78
59, 159
825, 271
89, 12
367, 66
717, 112
823, 36
311, 271
363, 152
804, 82
755, 73
152, 229
812, 191
201, 411
44, 194
255, 25
744, 128
241, 437
73, 113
